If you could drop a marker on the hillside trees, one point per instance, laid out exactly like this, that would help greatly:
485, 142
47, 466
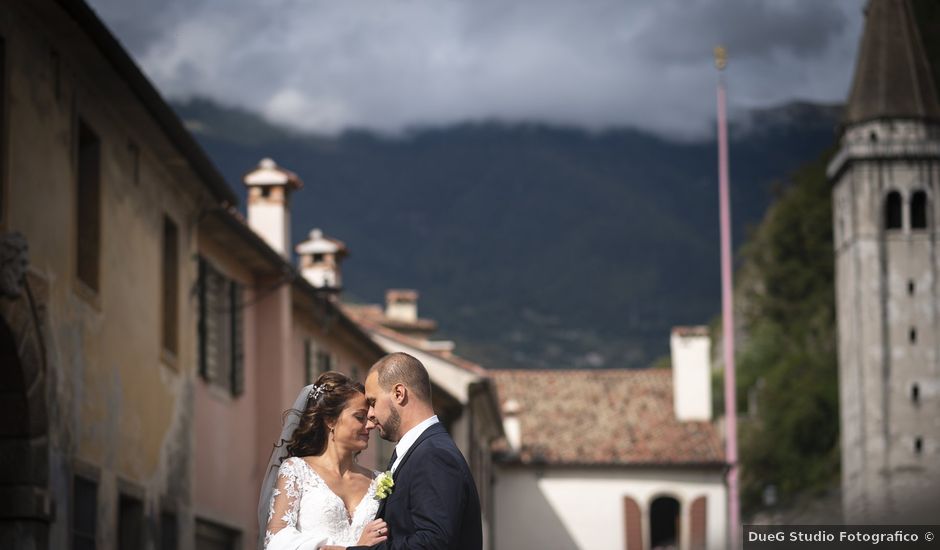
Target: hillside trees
787, 364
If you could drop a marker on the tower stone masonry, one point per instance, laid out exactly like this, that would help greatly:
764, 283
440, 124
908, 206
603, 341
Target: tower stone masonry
885, 183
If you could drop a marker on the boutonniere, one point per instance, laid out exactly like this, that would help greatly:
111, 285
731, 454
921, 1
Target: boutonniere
384, 485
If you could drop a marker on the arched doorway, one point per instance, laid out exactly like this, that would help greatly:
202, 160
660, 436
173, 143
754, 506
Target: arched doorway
664, 524
25, 504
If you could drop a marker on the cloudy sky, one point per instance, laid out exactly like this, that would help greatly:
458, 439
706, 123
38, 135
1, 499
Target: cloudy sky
326, 65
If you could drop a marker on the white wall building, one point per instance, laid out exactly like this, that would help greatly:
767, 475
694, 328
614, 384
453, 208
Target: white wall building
602, 461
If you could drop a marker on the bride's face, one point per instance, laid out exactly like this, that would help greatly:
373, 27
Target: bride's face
352, 427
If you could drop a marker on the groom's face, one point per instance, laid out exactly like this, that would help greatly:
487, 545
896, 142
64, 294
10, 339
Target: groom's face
382, 411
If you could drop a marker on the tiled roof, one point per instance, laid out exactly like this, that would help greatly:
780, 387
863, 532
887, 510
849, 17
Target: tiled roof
371, 318
603, 417
893, 76
374, 313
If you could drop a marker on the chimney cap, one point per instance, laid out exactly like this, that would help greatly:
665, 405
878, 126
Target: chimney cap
690, 331
401, 295
511, 407
318, 243
269, 173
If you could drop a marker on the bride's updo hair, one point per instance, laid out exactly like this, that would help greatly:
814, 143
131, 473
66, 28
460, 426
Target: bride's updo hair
326, 401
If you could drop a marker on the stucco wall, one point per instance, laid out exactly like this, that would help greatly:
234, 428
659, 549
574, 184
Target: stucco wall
121, 408
567, 508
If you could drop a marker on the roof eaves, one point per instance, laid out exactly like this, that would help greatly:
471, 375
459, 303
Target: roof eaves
151, 99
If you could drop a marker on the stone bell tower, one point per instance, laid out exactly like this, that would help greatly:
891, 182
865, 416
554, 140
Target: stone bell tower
885, 184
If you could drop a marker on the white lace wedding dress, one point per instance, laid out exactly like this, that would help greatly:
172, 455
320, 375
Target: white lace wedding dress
305, 514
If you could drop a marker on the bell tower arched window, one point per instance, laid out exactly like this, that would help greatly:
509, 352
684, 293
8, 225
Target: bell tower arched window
919, 210
893, 211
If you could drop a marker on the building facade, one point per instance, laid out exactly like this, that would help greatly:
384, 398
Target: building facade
150, 337
264, 332
886, 179
616, 458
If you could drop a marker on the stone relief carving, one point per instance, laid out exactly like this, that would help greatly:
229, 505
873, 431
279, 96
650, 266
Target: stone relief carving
14, 261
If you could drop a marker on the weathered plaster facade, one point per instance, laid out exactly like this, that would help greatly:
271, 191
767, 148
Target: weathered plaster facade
118, 406
102, 401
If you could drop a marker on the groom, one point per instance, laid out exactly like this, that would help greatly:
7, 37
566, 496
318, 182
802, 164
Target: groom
434, 502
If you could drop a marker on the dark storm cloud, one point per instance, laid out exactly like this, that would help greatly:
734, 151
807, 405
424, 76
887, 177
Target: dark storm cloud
749, 28
326, 65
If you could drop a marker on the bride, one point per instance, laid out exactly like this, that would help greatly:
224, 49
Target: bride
315, 495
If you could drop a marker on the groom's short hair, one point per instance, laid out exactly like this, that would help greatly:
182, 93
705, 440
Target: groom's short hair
401, 368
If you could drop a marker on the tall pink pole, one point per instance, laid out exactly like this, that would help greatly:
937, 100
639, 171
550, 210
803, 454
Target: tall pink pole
727, 313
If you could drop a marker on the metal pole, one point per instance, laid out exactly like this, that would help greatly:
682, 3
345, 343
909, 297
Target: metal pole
727, 309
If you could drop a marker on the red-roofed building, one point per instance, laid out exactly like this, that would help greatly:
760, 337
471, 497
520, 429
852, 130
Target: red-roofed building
599, 458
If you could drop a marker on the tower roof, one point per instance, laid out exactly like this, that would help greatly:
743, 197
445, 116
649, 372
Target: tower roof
893, 76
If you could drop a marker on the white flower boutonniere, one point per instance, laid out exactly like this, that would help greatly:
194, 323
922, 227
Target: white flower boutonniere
384, 486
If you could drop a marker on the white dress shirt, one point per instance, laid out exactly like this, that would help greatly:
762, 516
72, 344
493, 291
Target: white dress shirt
409, 439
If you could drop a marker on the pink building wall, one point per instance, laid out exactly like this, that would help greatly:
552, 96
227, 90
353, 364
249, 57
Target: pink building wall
234, 435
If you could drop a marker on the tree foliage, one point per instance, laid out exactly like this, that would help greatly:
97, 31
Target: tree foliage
787, 364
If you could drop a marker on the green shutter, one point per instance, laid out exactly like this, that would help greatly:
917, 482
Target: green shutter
238, 348
201, 327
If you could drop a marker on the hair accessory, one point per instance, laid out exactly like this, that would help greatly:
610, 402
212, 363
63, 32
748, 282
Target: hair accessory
317, 391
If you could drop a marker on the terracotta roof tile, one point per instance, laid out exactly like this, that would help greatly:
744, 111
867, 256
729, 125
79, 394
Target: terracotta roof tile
621, 416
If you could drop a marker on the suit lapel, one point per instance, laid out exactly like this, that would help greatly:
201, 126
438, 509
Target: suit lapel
433, 429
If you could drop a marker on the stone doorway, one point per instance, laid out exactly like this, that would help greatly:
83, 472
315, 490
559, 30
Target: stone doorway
25, 506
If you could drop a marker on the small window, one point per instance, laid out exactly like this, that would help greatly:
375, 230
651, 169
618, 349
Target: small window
915, 394
324, 362
910, 287
130, 523
918, 445
169, 531
170, 285
919, 210
265, 191
913, 335
221, 342
310, 370
88, 230
84, 513
317, 257
893, 210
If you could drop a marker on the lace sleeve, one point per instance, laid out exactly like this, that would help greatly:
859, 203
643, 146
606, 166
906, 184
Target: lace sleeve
285, 500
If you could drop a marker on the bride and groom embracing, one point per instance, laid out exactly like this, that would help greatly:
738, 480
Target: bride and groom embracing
315, 495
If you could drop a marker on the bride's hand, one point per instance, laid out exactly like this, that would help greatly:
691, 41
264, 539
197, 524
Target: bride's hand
375, 532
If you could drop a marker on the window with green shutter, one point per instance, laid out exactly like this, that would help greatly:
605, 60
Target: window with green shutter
221, 329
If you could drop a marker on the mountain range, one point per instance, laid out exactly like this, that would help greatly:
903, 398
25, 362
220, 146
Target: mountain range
532, 245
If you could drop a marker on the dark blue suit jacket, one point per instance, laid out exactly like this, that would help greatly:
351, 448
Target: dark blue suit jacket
434, 503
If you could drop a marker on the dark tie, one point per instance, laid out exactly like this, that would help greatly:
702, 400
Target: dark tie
391, 461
